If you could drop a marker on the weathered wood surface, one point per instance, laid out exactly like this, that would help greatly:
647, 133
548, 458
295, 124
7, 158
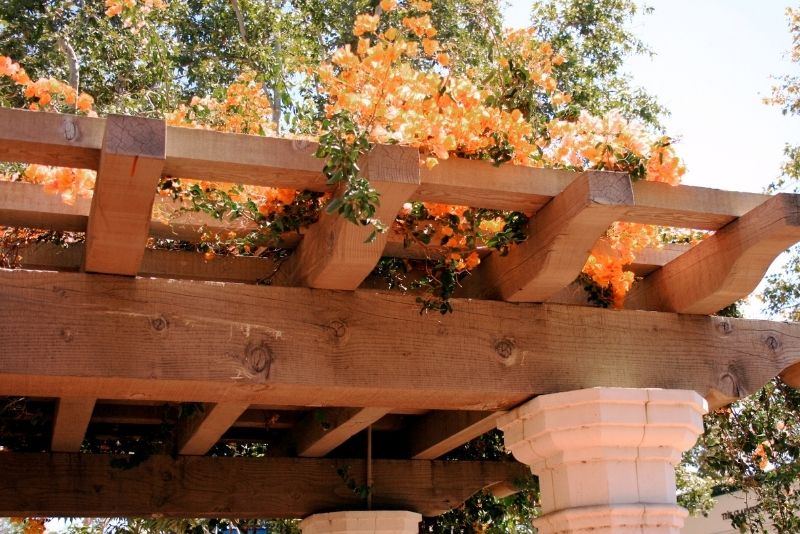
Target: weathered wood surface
725, 267
50, 138
560, 237
245, 159
685, 206
72, 485
323, 430
154, 339
439, 432
334, 253
199, 432
119, 221
71, 420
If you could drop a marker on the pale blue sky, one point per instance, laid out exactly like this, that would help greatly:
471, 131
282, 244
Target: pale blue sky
712, 67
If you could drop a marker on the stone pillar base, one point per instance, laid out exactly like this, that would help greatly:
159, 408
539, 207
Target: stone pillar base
373, 522
615, 519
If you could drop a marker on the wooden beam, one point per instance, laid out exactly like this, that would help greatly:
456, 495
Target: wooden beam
200, 431
28, 206
685, 206
245, 159
725, 267
73, 334
480, 183
439, 432
51, 485
74, 141
119, 221
50, 138
70, 423
560, 237
323, 430
334, 253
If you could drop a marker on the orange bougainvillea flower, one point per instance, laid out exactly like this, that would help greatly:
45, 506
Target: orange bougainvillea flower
365, 24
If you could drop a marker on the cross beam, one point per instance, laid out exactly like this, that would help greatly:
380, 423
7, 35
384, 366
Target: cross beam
198, 486
74, 334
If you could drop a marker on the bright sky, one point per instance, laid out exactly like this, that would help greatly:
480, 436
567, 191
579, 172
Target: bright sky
712, 67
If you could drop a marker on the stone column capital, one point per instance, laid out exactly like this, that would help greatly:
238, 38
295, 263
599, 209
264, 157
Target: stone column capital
605, 457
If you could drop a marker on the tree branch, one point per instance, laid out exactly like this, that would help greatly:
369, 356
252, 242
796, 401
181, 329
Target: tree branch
72, 62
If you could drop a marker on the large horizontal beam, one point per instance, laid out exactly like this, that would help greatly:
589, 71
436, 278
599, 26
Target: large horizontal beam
72, 334
52, 485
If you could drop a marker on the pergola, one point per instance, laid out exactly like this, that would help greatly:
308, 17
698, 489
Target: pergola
322, 365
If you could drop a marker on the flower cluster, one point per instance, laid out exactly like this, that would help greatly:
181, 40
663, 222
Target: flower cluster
396, 86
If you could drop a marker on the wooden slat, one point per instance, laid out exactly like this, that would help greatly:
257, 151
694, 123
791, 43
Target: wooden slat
480, 183
27, 205
50, 485
197, 434
323, 430
50, 138
119, 220
725, 267
74, 141
333, 253
683, 206
560, 237
246, 159
70, 423
440, 432
170, 340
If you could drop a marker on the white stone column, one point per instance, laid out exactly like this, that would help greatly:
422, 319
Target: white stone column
606, 457
372, 522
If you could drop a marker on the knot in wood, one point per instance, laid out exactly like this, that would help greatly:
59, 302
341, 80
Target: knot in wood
301, 145
258, 357
725, 327
773, 343
339, 328
70, 129
159, 323
504, 348
67, 335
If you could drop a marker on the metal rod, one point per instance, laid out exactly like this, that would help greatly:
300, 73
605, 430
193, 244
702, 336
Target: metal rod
369, 467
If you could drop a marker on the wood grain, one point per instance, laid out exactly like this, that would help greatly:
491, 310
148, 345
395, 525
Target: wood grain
200, 431
171, 340
58, 485
245, 159
439, 432
334, 253
560, 237
71, 420
323, 430
119, 220
50, 138
726, 266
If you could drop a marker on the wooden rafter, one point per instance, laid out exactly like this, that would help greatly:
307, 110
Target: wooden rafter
439, 432
334, 253
71, 420
153, 339
131, 162
561, 235
323, 430
725, 267
200, 431
72, 485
